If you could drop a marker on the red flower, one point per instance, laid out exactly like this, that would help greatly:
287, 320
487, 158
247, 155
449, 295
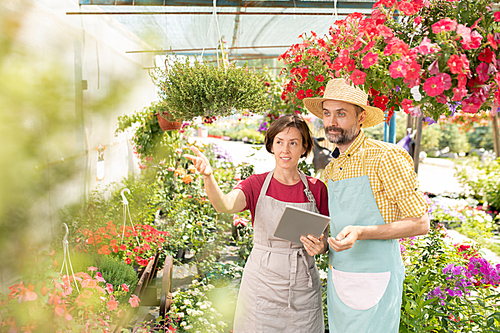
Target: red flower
369, 60
368, 46
486, 55
358, 77
380, 102
396, 46
407, 8
398, 69
385, 31
319, 78
462, 80
492, 41
320, 91
301, 94
418, 20
309, 93
459, 94
413, 70
497, 16
298, 58
441, 99
433, 86
456, 64
444, 25
351, 65
406, 104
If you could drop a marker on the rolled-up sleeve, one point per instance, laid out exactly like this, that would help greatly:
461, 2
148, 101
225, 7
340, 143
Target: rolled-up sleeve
400, 183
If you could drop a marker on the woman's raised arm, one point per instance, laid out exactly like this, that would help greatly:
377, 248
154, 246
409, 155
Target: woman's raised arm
232, 202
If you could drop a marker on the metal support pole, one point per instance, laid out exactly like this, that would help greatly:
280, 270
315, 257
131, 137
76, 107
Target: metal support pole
496, 139
418, 141
392, 129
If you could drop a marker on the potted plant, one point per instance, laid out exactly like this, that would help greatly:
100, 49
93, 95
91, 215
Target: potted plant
199, 89
420, 56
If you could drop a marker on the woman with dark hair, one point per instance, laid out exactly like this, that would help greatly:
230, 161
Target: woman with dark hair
280, 290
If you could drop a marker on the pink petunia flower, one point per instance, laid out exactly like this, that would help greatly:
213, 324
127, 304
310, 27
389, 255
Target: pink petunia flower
408, 8
125, 287
464, 32
92, 269
434, 68
482, 72
474, 43
497, 16
426, 47
413, 70
369, 60
446, 79
398, 69
471, 104
112, 304
459, 94
433, 86
462, 80
358, 77
415, 111
109, 288
99, 277
134, 301
445, 24
396, 46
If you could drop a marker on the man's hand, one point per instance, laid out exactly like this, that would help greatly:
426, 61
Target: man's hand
314, 245
200, 162
345, 239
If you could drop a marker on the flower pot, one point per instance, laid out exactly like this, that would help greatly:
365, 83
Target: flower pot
168, 125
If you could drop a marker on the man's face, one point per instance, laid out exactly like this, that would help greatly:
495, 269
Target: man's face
340, 121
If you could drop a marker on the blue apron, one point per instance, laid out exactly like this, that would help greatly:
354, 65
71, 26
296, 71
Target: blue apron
365, 283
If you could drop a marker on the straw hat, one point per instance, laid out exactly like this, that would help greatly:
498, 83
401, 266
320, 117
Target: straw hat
339, 90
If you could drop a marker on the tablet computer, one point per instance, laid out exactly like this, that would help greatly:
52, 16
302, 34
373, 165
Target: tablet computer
295, 222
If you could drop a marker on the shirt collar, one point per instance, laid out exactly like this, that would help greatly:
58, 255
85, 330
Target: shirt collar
355, 145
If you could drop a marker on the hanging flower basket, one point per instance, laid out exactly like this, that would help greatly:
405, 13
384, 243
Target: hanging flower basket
166, 124
190, 90
433, 57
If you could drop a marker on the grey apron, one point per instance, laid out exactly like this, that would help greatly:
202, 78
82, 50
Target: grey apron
280, 290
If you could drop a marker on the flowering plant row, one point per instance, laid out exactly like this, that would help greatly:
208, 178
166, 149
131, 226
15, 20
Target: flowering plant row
54, 302
139, 245
420, 56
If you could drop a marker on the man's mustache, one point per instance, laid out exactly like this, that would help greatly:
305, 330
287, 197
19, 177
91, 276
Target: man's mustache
334, 129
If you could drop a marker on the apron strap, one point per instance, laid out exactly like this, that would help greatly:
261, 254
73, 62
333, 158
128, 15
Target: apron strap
295, 253
265, 186
307, 192
363, 164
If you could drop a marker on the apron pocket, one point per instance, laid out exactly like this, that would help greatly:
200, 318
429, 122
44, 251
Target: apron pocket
360, 291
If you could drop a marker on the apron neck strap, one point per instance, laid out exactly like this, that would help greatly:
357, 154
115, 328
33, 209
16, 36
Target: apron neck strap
265, 186
363, 164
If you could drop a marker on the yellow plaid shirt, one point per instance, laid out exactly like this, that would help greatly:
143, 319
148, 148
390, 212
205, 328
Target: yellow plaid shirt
392, 177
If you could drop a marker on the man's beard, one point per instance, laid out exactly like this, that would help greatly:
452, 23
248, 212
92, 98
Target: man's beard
345, 136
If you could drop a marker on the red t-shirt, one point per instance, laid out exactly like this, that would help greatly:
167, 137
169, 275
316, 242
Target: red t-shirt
288, 193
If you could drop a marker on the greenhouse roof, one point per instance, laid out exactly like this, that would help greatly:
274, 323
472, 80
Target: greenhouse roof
251, 29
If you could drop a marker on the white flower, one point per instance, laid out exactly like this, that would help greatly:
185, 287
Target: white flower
189, 312
187, 302
183, 324
188, 327
181, 314
323, 275
221, 323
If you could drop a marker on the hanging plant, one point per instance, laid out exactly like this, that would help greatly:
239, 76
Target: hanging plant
433, 57
190, 90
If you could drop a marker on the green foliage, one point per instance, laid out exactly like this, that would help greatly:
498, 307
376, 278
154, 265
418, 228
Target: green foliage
306, 168
481, 180
250, 136
149, 140
192, 311
480, 137
116, 272
437, 294
454, 139
197, 89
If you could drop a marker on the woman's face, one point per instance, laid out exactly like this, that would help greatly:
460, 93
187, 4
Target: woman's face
287, 148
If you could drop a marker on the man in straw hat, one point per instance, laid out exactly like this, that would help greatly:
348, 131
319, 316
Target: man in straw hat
374, 200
